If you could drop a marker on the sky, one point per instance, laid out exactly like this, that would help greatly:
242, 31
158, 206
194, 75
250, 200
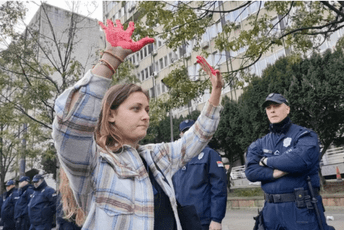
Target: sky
95, 6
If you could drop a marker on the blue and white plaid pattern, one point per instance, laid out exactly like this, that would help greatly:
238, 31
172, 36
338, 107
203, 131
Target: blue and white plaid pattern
115, 190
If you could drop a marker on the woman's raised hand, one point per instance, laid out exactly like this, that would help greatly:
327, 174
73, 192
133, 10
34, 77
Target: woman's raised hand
117, 36
214, 75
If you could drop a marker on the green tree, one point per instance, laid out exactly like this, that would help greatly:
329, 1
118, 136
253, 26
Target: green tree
299, 27
314, 87
228, 133
37, 65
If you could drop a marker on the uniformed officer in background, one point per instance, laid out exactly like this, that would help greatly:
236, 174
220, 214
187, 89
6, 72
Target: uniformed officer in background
283, 160
7, 209
42, 206
202, 182
21, 215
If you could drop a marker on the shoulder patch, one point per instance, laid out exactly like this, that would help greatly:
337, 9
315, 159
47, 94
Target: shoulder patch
219, 164
200, 156
287, 141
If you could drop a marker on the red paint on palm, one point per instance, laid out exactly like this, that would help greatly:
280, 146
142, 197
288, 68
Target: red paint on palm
117, 36
206, 67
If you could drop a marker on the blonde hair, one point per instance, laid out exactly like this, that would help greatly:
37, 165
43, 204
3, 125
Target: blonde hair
106, 136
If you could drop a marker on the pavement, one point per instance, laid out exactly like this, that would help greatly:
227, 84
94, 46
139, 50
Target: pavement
242, 219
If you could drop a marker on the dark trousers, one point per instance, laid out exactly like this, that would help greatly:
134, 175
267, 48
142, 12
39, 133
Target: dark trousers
205, 227
9, 225
46, 226
23, 223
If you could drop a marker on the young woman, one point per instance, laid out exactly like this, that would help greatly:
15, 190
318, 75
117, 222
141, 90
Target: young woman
117, 183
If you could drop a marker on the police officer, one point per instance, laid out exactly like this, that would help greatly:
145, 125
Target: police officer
21, 215
7, 209
62, 223
202, 182
283, 160
42, 205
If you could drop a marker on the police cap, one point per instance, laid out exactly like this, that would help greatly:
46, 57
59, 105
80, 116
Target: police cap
275, 97
37, 177
185, 125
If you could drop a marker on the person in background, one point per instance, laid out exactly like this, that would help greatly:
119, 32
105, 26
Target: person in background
21, 215
202, 182
283, 160
42, 206
7, 209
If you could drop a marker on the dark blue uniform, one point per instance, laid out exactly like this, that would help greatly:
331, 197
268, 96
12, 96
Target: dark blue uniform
1, 202
62, 223
295, 150
21, 215
42, 207
202, 182
7, 209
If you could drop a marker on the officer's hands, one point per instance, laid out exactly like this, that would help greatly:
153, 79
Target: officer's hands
278, 173
215, 225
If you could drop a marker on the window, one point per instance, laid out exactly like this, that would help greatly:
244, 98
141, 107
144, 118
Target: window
151, 92
222, 57
151, 71
189, 46
145, 51
216, 58
146, 71
138, 56
156, 66
205, 36
150, 48
254, 7
161, 64
142, 75
212, 31
166, 61
275, 26
158, 89
233, 16
141, 54
191, 71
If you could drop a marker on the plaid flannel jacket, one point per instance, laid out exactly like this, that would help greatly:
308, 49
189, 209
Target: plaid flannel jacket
115, 192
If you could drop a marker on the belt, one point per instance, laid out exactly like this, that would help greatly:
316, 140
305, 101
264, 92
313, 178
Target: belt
286, 197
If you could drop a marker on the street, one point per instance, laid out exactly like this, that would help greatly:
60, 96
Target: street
242, 219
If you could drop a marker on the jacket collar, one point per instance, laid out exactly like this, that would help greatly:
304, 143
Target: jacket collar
41, 186
281, 127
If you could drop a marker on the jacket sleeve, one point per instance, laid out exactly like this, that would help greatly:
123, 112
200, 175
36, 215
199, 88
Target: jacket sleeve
195, 139
302, 157
218, 183
73, 130
254, 172
51, 196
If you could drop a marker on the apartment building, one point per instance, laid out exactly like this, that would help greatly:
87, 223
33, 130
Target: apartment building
156, 61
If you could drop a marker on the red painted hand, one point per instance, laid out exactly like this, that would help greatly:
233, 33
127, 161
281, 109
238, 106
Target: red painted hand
116, 36
217, 80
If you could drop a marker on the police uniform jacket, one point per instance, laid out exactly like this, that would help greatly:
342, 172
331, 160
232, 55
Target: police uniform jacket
42, 205
21, 207
202, 183
114, 188
7, 209
295, 150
